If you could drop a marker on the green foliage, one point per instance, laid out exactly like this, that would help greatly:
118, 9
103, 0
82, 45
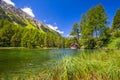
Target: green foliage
12, 35
94, 32
116, 33
6, 33
17, 31
113, 43
116, 21
75, 31
89, 43
16, 38
3, 16
96, 20
117, 45
99, 44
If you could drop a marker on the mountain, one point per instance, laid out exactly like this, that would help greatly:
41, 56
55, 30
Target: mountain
18, 29
19, 17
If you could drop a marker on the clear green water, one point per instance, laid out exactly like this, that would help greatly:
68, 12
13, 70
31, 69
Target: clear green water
22, 62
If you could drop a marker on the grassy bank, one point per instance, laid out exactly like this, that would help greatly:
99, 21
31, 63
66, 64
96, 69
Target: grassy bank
103, 65
97, 65
27, 48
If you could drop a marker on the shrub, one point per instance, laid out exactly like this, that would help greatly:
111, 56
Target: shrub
116, 33
117, 45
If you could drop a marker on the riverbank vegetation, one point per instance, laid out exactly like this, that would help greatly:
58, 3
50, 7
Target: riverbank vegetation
88, 65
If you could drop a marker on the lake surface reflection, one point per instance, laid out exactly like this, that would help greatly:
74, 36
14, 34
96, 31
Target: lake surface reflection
16, 61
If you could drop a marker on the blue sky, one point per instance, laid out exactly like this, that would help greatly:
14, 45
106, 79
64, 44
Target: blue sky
62, 14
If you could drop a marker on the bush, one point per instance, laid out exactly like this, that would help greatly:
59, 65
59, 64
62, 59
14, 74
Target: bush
117, 45
116, 33
89, 43
99, 44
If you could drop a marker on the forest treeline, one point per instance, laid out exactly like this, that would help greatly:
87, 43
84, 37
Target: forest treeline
12, 35
93, 30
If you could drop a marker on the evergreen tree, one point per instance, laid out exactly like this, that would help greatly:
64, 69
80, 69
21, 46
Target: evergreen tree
93, 25
82, 25
75, 29
100, 20
116, 21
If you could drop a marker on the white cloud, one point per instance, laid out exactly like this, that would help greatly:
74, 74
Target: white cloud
9, 2
67, 35
61, 32
28, 11
55, 28
52, 27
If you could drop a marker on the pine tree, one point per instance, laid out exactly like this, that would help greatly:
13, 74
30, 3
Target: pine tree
116, 21
93, 25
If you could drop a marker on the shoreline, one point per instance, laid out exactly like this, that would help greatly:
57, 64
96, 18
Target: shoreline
30, 48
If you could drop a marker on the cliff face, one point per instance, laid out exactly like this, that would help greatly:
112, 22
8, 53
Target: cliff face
17, 16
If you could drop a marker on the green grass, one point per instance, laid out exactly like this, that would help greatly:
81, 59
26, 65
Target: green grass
113, 42
93, 66
97, 65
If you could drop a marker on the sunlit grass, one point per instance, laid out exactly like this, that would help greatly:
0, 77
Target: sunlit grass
113, 42
99, 65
